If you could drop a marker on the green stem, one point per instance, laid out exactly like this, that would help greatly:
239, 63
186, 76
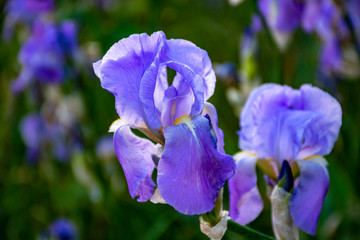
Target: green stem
247, 232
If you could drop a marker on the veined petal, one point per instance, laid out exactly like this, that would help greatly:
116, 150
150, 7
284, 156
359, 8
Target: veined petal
191, 171
177, 102
320, 138
186, 53
160, 87
245, 200
135, 156
247, 121
308, 197
129, 64
195, 66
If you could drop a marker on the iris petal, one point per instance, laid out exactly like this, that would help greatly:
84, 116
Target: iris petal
125, 68
308, 197
195, 66
134, 154
191, 171
320, 138
245, 200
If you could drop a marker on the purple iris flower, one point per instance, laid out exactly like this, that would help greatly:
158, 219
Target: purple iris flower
192, 167
63, 229
25, 12
279, 124
43, 56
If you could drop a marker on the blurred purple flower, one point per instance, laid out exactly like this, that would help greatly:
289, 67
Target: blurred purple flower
105, 147
37, 134
63, 229
43, 56
279, 124
353, 9
282, 17
25, 12
248, 42
32, 132
193, 166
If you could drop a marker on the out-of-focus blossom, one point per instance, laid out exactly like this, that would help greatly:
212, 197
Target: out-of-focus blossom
192, 167
279, 124
25, 12
353, 9
105, 147
324, 18
282, 17
38, 134
63, 229
32, 132
43, 56
248, 48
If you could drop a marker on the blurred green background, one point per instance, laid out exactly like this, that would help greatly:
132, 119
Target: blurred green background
92, 192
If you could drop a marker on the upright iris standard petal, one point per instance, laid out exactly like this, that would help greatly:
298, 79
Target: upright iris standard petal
191, 171
245, 200
197, 60
129, 69
287, 132
308, 197
195, 66
160, 87
177, 102
135, 156
247, 120
322, 134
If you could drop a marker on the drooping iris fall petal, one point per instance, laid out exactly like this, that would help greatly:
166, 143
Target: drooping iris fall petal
191, 171
308, 197
135, 156
245, 200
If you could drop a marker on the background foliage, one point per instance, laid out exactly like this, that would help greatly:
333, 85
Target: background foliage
92, 192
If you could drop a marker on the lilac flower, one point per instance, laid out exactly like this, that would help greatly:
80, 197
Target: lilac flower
25, 12
279, 124
63, 229
193, 166
43, 55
